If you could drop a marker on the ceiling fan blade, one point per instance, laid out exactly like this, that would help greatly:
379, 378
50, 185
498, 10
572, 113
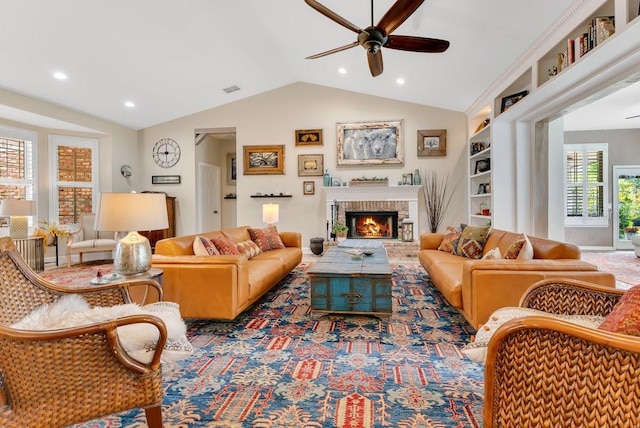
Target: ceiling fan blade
398, 13
633, 117
332, 51
333, 16
375, 63
416, 44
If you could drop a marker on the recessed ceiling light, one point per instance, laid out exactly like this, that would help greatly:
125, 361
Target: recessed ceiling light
129, 104
342, 70
60, 75
400, 81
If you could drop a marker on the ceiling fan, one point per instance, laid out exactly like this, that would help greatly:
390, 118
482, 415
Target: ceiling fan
373, 38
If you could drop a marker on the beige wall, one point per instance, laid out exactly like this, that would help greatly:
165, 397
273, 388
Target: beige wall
272, 118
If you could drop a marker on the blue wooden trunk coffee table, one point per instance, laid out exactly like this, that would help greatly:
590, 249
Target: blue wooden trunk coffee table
344, 283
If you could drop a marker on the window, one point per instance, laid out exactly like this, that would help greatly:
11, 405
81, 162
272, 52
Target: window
17, 175
74, 170
586, 184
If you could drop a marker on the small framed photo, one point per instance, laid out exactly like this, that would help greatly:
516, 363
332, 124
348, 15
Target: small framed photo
482, 188
432, 143
310, 165
165, 179
309, 137
263, 160
477, 147
232, 171
509, 101
308, 187
483, 165
407, 179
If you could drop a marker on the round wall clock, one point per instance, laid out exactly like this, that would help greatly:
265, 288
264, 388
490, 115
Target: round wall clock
166, 152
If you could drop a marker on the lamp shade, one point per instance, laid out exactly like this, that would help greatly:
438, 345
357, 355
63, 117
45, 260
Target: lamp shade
270, 213
120, 212
16, 207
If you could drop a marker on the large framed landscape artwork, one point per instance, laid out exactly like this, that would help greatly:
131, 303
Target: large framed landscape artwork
370, 143
263, 160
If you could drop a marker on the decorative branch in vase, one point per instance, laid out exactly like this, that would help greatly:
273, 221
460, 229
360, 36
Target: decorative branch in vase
438, 191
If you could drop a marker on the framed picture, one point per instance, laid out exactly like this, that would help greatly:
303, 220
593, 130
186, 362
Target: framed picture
165, 179
232, 170
508, 102
309, 137
482, 188
483, 165
432, 143
477, 147
407, 179
370, 143
310, 165
308, 187
263, 160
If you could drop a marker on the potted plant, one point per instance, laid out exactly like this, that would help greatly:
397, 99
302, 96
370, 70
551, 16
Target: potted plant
340, 230
50, 231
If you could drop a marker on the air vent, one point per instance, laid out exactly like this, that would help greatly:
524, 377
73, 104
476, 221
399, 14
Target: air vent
231, 89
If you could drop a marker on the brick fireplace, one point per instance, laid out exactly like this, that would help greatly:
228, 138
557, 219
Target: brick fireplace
373, 211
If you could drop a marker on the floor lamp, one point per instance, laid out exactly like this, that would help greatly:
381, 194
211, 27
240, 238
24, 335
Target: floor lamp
132, 212
18, 211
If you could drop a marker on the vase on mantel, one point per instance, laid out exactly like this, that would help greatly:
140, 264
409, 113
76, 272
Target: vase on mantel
326, 179
416, 177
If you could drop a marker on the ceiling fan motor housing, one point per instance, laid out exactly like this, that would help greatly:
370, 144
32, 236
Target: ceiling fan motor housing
372, 39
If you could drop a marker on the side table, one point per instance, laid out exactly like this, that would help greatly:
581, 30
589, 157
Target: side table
137, 295
31, 249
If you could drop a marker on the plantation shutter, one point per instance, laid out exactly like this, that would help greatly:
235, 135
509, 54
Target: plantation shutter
585, 184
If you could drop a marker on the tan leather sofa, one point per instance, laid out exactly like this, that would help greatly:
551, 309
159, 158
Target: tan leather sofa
221, 287
479, 287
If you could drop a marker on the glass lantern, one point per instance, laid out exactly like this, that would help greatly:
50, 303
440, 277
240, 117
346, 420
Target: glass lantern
407, 230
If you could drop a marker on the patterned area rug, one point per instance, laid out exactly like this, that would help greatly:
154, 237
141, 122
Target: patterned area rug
623, 264
78, 275
277, 366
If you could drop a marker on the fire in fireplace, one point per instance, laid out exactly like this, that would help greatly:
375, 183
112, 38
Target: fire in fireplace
372, 224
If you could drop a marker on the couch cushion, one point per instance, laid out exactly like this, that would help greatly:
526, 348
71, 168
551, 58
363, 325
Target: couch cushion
445, 271
263, 274
289, 257
225, 247
449, 240
625, 316
237, 234
471, 241
248, 248
202, 246
267, 238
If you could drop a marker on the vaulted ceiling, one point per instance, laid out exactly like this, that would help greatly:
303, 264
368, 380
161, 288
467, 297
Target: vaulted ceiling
173, 58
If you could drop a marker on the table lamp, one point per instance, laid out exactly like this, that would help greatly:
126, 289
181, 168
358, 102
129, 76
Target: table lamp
132, 212
18, 211
270, 213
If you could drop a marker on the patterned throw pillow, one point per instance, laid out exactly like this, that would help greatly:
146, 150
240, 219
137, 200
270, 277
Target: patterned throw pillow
248, 248
225, 247
448, 242
203, 246
471, 241
267, 238
625, 316
521, 249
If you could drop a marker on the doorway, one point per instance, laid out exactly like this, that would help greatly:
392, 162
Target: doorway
626, 205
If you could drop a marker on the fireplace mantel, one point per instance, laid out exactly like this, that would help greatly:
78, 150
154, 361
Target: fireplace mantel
409, 194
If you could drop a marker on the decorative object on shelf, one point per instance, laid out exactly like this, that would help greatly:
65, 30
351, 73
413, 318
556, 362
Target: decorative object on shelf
232, 169
308, 188
271, 195
407, 179
126, 171
310, 165
264, 160
317, 246
432, 143
340, 230
309, 137
370, 143
369, 181
509, 101
417, 180
18, 211
482, 125
230, 196
270, 213
484, 209
482, 188
477, 147
407, 230
438, 191
165, 179
326, 178
166, 152
132, 212
335, 182
482, 165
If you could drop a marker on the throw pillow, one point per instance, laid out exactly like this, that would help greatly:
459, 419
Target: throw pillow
225, 247
625, 316
477, 350
492, 254
521, 249
267, 238
471, 241
248, 248
138, 340
203, 246
450, 237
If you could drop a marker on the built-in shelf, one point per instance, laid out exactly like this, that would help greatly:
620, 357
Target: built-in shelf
271, 196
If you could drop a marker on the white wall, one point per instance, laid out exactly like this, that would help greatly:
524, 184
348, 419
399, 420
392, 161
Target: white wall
272, 118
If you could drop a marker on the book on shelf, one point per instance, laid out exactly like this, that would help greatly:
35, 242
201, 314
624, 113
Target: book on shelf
604, 28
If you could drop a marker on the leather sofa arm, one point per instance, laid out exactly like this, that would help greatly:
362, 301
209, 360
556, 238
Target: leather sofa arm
291, 239
431, 241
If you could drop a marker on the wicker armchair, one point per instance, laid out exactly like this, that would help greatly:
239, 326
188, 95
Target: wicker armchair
546, 372
60, 377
